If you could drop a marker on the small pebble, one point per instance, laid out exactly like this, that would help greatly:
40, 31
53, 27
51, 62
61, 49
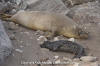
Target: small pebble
21, 41
57, 62
56, 39
21, 46
19, 50
12, 37
76, 64
39, 32
17, 24
71, 39
56, 57
26, 33
41, 39
13, 11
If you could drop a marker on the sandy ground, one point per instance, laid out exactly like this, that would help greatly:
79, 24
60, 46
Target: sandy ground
26, 40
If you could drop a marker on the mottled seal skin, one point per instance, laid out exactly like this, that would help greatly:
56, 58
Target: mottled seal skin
46, 21
65, 46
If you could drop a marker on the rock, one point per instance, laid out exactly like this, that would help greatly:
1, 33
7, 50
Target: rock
21, 46
71, 39
86, 13
76, 64
47, 5
12, 37
27, 33
56, 57
39, 33
41, 39
67, 59
5, 45
19, 50
5, 7
57, 62
89, 64
21, 41
12, 26
13, 11
88, 59
61, 37
70, 3
76, 60
9, 5
55, 39
20, 4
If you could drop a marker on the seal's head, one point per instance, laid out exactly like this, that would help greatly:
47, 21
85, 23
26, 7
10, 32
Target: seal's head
82, 34
47, 44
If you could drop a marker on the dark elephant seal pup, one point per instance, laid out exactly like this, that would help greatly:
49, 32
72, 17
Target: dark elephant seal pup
65, 46
46, 21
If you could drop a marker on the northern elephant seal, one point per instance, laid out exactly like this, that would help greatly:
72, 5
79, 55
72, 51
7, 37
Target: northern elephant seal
46, 21
65, 46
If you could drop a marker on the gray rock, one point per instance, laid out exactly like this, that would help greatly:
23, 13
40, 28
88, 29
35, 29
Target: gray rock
47, 5
41, 39
12, 6
5, 7
70, 3
89, 64
12, 26
39, 5
20, 4
86, 13
5, 44
12, 37
88, 59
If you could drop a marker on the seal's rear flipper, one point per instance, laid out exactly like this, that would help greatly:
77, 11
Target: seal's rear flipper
3, 15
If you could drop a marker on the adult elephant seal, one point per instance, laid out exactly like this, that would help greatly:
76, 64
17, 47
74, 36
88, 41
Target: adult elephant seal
46, 21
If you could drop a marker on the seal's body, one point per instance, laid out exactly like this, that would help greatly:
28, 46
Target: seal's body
65, 46
55, 23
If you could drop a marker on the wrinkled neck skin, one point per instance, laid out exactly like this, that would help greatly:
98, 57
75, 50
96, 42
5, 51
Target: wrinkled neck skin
75, 32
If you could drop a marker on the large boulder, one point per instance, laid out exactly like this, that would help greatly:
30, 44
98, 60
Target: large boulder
47, 5
70, 3
86, 13
5, 44
37, 5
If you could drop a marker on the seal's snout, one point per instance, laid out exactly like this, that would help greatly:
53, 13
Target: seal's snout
83, 35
